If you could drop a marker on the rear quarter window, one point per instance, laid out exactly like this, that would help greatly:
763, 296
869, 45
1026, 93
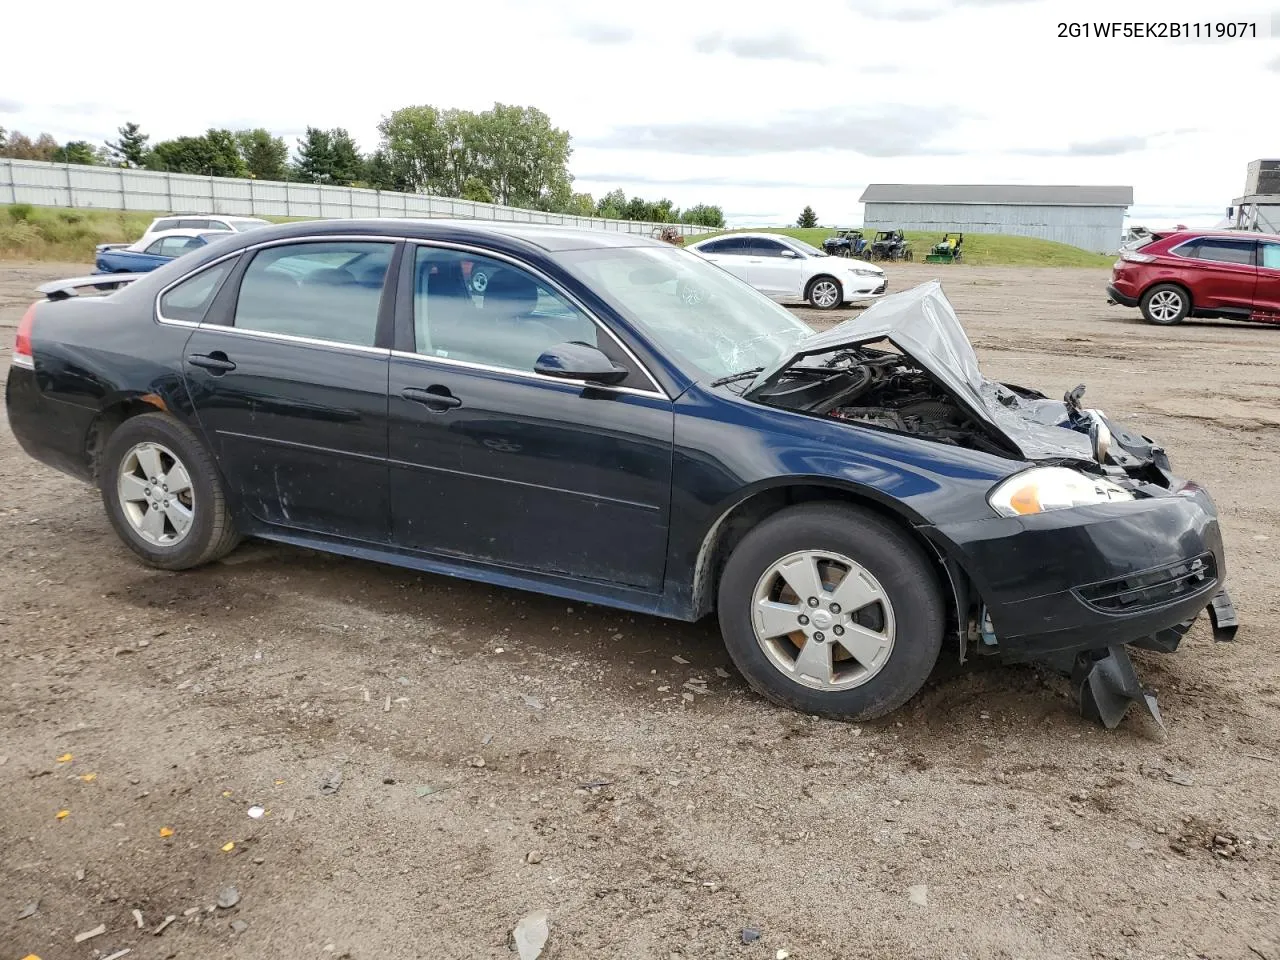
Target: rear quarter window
163, 225
189, 300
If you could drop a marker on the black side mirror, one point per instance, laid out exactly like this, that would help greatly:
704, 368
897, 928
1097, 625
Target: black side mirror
578, 361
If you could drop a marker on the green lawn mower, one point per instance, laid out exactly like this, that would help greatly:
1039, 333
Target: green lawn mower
948, 250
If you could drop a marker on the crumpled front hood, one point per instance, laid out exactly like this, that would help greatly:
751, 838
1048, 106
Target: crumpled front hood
923, 325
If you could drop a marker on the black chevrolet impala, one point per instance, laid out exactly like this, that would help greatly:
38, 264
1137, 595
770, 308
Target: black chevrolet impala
611, 419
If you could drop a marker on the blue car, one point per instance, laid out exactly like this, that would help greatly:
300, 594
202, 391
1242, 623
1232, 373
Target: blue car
153, 251
611, 419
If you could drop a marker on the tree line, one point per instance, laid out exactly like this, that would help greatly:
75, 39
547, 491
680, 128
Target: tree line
510, 155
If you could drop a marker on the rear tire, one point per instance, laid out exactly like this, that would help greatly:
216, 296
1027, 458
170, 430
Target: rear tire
893, 616
1165, 304
163, 494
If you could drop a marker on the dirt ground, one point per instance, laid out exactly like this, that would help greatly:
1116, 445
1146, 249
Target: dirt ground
502, 753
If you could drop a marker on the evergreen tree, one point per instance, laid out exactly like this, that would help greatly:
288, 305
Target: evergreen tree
131, 149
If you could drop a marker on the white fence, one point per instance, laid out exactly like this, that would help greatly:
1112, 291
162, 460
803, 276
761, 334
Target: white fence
114, 188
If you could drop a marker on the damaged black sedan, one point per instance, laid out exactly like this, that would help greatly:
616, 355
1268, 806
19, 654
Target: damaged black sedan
610, 419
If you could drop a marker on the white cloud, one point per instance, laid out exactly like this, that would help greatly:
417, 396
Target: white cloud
783, 45
850, 92
603, 32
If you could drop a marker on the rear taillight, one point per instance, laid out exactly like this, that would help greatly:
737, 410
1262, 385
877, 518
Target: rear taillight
22, 356
1133, 257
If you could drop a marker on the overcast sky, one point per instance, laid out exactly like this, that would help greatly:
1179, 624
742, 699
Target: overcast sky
760, 107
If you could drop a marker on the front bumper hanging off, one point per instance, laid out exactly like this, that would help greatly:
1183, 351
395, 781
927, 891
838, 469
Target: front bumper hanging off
1105, 681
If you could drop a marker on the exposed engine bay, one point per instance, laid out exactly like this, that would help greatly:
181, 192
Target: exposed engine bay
928, 384
880, 389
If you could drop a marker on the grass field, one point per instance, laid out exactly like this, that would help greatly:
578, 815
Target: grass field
54, 233
980, 249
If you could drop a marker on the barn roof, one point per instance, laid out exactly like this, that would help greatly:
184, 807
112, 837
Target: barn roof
1019, 194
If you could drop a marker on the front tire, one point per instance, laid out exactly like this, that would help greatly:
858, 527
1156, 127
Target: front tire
825, 293
163, 494
1165, 304
832, 610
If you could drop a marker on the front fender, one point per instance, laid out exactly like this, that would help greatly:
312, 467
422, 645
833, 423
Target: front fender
728, 450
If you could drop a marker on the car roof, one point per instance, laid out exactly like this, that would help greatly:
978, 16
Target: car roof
1230, 234
549, 237
185, 232
209, 216
753, 234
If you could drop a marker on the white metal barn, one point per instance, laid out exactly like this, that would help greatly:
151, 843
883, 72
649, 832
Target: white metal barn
1091, 218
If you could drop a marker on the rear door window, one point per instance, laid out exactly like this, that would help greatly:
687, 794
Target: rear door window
1269, 256
163, 225
735, 246
174, 246
323, 291
1226, 251
760, 247
193, 224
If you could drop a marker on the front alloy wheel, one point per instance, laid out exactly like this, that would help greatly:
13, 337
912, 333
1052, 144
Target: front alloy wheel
832, 609
825, 293
823, 620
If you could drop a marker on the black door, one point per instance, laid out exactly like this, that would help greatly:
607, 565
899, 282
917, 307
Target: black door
289, 384
492, 462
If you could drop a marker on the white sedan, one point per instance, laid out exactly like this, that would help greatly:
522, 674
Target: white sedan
784, 268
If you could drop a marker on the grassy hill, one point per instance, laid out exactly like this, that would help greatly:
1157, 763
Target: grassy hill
980, 249
53, 233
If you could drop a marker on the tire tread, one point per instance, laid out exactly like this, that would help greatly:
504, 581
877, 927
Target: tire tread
223, 537
861, 703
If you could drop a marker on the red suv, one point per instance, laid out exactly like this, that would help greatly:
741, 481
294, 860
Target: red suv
1200, 274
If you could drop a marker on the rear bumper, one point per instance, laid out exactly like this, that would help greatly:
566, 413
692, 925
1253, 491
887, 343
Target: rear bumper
51, 431
1115, 295
1092, 577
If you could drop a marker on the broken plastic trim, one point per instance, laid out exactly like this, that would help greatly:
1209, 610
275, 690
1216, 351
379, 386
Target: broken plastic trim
1222, 613
1107, 685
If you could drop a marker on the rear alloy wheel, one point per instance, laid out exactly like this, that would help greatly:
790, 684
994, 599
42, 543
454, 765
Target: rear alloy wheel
825, 293
1165, 304
155, 494
832, 610
163, 494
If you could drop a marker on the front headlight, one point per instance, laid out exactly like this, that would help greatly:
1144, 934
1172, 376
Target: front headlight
864, 272
1052, 488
